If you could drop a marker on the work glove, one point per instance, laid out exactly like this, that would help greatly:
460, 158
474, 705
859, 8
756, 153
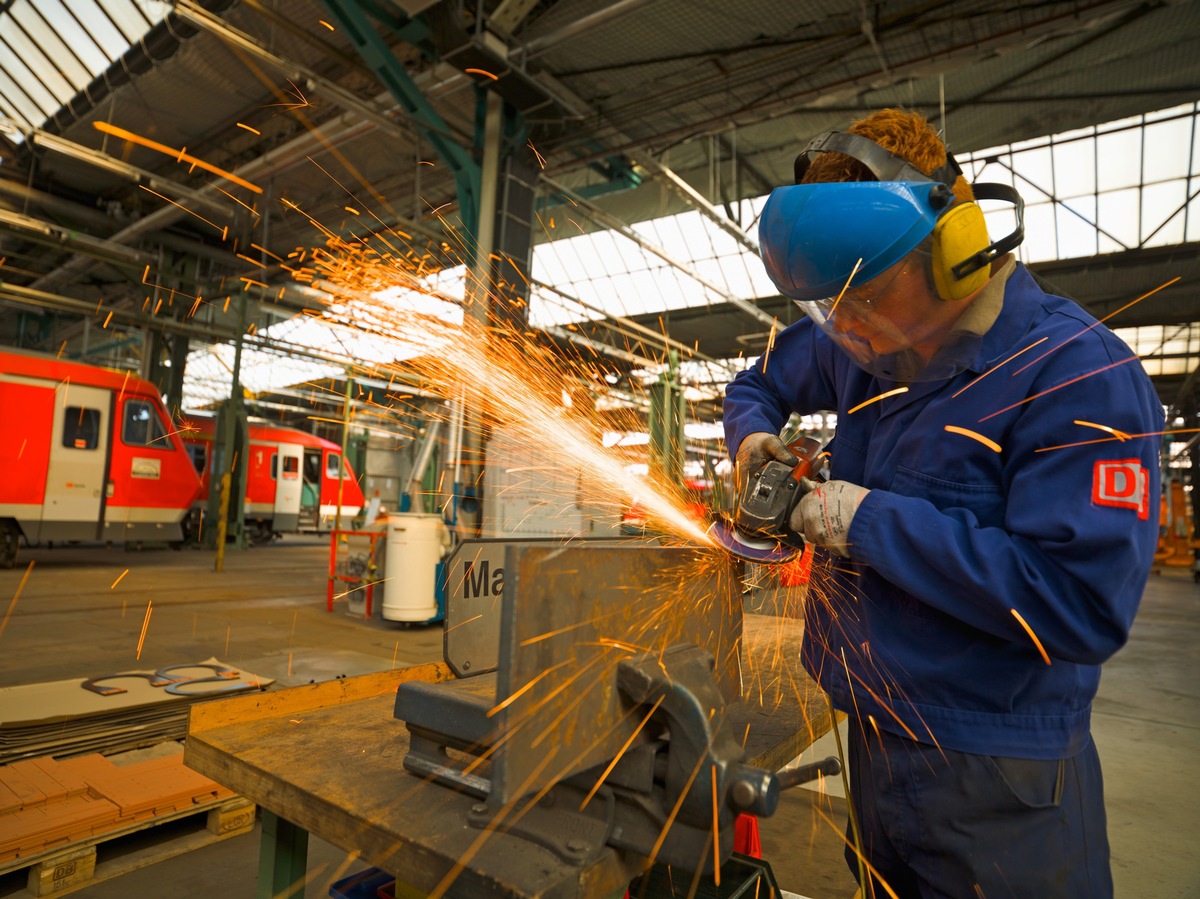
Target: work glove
824, 513
759, 448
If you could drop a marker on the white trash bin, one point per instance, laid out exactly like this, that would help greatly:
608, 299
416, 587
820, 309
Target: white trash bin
415, 542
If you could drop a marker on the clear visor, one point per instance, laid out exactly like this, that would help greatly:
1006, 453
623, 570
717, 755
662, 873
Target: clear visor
887, 339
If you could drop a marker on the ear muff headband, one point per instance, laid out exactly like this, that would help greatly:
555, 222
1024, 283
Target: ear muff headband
960, 233
883, 164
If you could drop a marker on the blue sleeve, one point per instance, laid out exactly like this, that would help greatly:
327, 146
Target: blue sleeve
1078, 539
797, 375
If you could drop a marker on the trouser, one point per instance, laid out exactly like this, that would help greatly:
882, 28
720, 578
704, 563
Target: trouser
938, 824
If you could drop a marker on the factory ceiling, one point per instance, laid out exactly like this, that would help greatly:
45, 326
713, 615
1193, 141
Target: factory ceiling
233, 132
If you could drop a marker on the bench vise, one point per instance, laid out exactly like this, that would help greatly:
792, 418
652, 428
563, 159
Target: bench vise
678, 782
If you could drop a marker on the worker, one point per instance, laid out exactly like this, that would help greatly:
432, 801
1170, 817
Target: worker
988, 524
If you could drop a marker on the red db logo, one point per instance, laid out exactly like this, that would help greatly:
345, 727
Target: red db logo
1124, 484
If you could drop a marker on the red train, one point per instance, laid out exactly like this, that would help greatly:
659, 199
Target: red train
293, 481
86, 454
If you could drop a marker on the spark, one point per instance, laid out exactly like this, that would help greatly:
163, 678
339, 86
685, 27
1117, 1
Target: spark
875, 399
483, 72
326, 24
248, 128
145, 627
252, 261
1120, 435
1098, 323
845, 287
107, 319
1059, 387
525, 689
990, 444
998, 366
1047, 449
541, 162
191, 212
1032, 635
296, 92
13, 603
770, 346
683, 794
600, 780
119, 578
180, 155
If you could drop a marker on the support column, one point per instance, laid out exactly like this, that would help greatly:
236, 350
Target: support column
667, 415
231, 447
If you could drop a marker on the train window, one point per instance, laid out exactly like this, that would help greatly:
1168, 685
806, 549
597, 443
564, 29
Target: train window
81, 427
291, 467
333, 467
142, 426
199, 454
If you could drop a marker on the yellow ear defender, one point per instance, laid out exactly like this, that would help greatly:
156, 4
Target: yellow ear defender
960, 234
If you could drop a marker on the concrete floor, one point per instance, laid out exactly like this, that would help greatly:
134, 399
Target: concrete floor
81, 612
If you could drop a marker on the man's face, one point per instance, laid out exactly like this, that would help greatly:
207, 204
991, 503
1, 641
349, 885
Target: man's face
891, 313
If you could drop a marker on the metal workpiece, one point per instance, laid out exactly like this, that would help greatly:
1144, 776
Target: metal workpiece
570, 615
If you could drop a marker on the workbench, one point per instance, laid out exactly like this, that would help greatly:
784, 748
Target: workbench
328, 759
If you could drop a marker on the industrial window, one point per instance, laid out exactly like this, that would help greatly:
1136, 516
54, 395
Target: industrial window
81, 427
274, 466
333, 468
142, 426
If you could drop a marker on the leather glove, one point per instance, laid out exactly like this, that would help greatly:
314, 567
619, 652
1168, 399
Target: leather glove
824, 513
759, 448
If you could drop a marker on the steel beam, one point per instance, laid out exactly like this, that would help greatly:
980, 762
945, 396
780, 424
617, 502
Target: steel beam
353, 22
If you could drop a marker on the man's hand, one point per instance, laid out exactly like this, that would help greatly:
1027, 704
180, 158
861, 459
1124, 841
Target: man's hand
759, 448
824, 514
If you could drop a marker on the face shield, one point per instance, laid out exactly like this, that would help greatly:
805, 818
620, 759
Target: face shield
848, 252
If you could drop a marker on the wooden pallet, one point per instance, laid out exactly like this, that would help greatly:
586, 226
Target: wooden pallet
71, 822
87, 862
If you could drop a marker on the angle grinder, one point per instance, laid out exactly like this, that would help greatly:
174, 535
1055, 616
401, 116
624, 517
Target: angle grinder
759, 529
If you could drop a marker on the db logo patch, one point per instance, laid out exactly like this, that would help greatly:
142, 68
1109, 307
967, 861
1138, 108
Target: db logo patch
1124, 484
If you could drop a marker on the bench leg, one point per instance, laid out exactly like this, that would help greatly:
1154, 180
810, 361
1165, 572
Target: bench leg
282, 859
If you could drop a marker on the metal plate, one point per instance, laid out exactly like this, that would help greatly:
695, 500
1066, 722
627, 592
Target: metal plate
570, 615
474, 588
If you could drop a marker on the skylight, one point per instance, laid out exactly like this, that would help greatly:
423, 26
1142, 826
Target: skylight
50, 50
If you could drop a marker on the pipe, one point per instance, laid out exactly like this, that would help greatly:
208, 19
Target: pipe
416, 477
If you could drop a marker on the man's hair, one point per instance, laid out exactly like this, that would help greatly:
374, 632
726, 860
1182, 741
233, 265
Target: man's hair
902, 133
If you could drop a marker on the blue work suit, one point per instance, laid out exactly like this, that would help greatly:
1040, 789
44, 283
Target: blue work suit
990, 572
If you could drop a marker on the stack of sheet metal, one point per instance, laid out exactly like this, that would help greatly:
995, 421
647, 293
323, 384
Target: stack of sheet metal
112, 712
